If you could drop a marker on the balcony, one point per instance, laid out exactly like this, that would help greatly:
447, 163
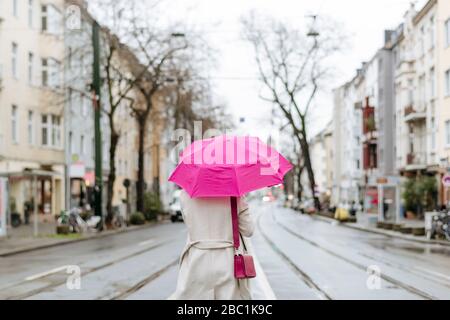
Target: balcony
370, 156
369, 120
416, 161
414, 115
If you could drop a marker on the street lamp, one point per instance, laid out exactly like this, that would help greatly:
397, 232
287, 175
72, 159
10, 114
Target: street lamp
313, 33
178, 35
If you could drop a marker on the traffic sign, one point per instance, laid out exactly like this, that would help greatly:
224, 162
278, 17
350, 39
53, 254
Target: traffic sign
446, 181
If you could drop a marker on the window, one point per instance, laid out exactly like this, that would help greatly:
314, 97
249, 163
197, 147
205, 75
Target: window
69, 58
422, 91
51, 71
15, 8
51, 20
14, 58
70, 98
70, 143
447, 82
56, 131
45, 130
30, 14
447, 133
30, 68
447, 33
410, 92
82, 146
432, 83
30, 128
44, 19
432, 33
51, 130
44, 69
54, 68
422, 40
433, 134
14, 125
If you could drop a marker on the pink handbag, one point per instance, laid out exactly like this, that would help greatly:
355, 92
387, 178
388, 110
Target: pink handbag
244, 267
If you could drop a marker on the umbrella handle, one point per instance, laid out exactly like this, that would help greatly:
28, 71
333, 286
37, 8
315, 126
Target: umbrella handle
235, 221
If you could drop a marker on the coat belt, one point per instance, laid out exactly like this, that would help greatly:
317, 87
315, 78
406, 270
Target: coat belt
206, 245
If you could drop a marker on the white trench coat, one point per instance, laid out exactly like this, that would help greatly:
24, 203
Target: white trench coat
207, 262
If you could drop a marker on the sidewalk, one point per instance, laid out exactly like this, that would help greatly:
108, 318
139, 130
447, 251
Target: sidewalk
16, 244
389, 233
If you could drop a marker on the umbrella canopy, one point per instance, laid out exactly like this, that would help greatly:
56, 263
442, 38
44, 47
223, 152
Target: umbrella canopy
229, 167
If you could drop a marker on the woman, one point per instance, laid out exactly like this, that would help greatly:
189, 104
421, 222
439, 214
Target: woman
207, 263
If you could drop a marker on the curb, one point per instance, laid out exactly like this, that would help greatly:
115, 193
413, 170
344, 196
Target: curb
90, 237
371, 230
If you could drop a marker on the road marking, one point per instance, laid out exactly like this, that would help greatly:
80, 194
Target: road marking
261, 275
434, 273
46, 273
143, 243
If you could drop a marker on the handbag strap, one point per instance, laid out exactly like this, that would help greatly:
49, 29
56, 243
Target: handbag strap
235, 222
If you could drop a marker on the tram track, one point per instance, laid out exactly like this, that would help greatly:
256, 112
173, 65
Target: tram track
395, 282
85, 272
322, 294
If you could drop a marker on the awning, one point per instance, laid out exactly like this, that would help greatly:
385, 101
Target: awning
31, 173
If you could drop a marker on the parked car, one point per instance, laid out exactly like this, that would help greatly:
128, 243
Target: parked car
175, 207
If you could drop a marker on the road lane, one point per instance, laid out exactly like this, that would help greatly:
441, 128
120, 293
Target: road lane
298, 257
362, 249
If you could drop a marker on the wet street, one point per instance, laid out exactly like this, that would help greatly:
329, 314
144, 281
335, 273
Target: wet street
297, 257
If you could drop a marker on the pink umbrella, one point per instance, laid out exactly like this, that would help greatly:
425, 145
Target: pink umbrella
229, 167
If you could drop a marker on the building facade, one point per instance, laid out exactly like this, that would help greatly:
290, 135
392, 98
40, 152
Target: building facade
79, 110
403, 96
346, 135
32, 103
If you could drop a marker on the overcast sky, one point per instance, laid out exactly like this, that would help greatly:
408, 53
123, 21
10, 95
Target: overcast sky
235, 78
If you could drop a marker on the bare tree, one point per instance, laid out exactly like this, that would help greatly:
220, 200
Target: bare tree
292, 69
156, 49
191, 101
119, 86
122, 72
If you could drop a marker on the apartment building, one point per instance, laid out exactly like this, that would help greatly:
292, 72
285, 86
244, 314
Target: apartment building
346, 135
442, 92
403, 94
415, 88
322, 153
422, 82
32, 103
155, 148
79, 109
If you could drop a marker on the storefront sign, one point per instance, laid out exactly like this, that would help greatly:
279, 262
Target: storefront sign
3, 206
77, 170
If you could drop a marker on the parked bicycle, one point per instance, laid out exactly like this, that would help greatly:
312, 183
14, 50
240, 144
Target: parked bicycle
118, 220
440, 226
16, 220
76, 223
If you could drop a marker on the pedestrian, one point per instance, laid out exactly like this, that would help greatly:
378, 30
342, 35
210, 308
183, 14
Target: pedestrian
353, 209
216, 263
206, 264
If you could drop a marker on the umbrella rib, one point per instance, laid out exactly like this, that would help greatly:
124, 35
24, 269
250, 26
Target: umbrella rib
196, 180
